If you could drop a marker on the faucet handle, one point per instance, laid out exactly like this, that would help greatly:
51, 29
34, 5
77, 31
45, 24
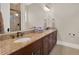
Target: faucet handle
22, 33
19, 34
12, 36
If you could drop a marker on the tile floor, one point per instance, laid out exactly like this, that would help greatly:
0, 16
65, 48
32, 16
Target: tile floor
63, 50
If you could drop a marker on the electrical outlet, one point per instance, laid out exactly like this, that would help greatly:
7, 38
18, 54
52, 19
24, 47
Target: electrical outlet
73, 34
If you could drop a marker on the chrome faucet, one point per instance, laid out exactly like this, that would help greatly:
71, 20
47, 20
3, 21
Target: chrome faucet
19, 34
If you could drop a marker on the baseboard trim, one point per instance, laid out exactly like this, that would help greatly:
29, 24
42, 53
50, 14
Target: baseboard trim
76, 46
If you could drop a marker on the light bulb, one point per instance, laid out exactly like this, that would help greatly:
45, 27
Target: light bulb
16, 14
46, 8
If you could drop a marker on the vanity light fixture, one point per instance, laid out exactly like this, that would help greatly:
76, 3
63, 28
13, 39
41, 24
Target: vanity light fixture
28, 4
16, 14
46, 8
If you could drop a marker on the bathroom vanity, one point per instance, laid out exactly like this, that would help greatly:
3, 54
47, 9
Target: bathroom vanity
41, 46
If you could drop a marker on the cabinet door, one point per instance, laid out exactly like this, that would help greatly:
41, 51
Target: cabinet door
37, 47
54, 37
50, 42
37, 51
45, 45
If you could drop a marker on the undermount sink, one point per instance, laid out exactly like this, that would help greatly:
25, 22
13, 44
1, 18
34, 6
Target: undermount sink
21, 40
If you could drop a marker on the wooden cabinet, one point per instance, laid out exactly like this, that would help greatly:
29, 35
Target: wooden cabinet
42, 46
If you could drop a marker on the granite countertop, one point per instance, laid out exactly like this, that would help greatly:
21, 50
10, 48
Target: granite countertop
8, 46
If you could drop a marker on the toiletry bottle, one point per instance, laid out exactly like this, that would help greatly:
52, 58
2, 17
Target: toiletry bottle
53, 23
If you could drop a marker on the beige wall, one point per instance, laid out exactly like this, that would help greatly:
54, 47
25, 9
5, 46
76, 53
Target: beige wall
37, 15
67, 21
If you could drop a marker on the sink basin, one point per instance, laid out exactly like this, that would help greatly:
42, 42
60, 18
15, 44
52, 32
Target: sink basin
21, 40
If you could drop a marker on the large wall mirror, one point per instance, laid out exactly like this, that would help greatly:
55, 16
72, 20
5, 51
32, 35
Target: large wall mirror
22, 17
1, 22
15, 17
